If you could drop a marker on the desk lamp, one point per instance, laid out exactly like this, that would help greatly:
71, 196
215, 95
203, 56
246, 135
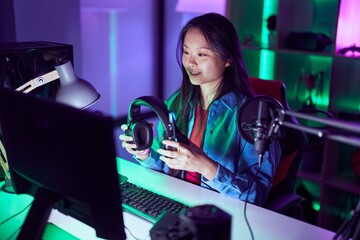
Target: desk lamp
73, 91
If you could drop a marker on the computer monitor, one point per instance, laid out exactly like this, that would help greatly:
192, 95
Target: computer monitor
66, 159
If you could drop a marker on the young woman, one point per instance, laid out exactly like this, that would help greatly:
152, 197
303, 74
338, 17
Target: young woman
215, 83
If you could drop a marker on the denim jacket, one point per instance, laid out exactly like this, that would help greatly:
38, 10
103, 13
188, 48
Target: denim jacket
237, 159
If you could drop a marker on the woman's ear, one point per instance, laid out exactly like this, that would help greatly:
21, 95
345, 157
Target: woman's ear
228, 62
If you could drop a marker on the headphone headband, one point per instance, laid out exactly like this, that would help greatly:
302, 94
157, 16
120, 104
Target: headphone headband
155, 104
141, 130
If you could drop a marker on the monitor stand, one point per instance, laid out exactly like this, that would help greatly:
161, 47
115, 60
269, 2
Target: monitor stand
37, 218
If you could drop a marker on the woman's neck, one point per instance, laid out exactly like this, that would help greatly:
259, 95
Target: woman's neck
207, 96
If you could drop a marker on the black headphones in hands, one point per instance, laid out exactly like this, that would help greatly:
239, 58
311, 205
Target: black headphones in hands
141, 130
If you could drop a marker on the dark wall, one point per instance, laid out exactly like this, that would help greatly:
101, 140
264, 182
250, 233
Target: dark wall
7, 21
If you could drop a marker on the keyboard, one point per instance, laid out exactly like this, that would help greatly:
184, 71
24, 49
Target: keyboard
147, 204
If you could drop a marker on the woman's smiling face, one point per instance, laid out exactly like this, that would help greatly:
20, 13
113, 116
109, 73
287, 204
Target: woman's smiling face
202, 64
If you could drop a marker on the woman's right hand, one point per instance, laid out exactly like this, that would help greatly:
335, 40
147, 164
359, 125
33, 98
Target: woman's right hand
127, 143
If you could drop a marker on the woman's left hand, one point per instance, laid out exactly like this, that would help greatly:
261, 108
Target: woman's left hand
188, 158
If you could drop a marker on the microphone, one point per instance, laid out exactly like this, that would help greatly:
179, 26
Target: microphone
256, 122
261, 129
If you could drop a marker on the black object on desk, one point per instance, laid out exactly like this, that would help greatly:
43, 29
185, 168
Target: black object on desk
203, 222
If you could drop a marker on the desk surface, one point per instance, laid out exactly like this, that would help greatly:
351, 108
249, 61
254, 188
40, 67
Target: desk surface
265, 224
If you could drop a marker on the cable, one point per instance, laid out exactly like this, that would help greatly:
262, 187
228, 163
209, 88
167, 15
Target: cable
13, 234
11, 217
246, 201
350, 228
132, 233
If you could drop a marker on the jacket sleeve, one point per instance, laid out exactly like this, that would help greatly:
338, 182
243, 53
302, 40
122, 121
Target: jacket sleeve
248, 182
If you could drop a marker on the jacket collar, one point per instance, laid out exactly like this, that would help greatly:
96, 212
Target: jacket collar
229, 100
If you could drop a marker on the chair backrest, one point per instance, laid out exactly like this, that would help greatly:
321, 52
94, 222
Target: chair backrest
292, 144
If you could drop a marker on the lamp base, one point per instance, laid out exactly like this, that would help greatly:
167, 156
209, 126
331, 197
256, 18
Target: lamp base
7, 187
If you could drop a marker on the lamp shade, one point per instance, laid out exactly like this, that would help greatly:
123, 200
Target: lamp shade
74, 91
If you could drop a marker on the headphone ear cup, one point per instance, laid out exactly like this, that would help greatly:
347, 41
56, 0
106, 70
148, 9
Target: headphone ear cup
142, 134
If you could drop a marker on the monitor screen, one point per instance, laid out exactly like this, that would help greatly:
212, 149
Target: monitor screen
66, 159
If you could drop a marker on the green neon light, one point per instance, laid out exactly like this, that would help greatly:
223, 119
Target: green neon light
56, 233
267, 64
267, 58
320, 63
270, 7
316, 205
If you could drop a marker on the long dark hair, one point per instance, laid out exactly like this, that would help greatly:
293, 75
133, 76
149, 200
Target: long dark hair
223, 40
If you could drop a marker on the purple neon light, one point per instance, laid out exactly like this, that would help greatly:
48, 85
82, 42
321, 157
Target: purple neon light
348, 29
201, 6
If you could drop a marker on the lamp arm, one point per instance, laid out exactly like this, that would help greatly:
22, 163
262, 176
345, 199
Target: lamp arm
345, 127
354, 141
306, 129
38, 81
350, 229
